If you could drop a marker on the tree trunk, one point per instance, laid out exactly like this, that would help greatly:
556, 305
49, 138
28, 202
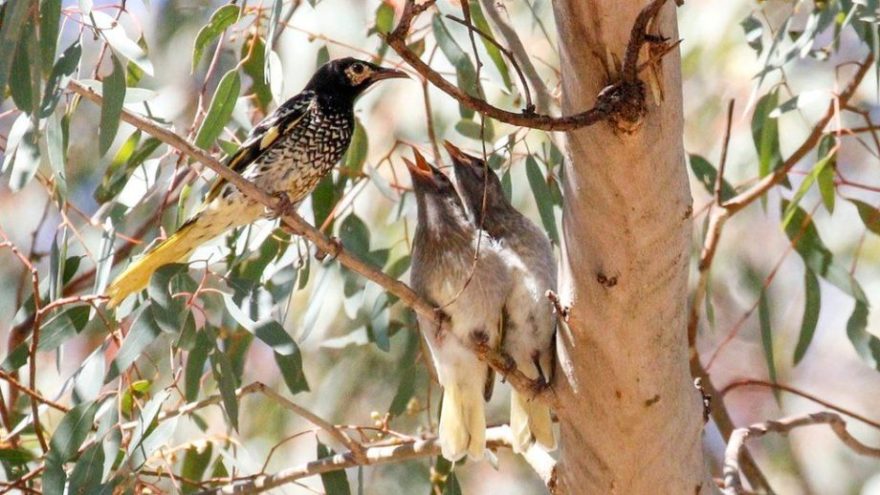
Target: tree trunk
631, 418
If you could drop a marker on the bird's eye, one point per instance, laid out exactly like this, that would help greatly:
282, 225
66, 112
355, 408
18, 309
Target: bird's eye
358, 68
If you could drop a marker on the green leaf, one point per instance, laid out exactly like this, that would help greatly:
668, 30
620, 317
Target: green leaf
766, 334
817, 257
754, 31
356, 155
221, 19
384, 19
115, 35
220, 109
170, 312
870, 215
494, 53
287, 352
54, 477
324, 197
61, 73
71, 432
62, 326
111, 109
765, 133
255, 67
15, 13
707, 175
473, 130
88, 379
21, 83
24, 157
224, 374
50, 16
866, 344
452, 486
143, 332
812, 305
464, 68
808, 181
407, 372
335, 482
195, 366
19, 455
826, 175
292, 372
399, 267
274, 19
88, 471
355, 235
195, 463
541, 191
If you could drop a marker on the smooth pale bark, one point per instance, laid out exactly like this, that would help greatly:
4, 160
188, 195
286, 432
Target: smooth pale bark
630, 418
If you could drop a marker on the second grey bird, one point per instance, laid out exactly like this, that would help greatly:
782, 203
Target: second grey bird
470, 290
529, 324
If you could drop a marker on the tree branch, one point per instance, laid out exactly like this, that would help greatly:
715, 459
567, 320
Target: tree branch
292, 220
611, 101
497, 437
732, 482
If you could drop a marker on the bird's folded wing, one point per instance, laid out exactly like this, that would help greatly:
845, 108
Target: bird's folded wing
279, 123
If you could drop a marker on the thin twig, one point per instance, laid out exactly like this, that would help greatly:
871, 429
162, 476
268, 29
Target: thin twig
607, 104
719, 179
732, 482
730, 387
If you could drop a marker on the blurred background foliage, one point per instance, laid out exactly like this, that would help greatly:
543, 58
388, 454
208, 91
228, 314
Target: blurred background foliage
79, 186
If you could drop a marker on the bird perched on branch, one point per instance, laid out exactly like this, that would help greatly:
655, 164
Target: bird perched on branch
456, 267
286, 154
529, 323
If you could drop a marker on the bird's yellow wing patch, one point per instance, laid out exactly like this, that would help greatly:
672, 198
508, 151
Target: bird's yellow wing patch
262, 140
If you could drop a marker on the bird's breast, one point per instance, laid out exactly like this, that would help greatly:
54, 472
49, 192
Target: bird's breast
299, 160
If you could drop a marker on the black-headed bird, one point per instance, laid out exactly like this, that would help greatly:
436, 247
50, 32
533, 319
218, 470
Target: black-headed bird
529, 324
286, 155
457, 268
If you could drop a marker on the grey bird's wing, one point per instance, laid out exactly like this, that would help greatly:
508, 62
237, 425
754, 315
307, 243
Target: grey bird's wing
265, 134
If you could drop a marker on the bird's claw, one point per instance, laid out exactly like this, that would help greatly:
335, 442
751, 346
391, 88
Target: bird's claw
539, 385
656, 38
283, 205
335, 249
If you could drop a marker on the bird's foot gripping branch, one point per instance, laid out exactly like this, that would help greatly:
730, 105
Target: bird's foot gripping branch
622, 103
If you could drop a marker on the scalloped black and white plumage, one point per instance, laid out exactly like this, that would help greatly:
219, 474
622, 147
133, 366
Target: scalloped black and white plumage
287, 153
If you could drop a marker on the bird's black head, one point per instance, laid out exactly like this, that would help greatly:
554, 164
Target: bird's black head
346, 78
478, 184
437, 198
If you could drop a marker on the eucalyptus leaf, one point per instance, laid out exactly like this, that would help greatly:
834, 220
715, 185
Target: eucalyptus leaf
220, 110
111, 108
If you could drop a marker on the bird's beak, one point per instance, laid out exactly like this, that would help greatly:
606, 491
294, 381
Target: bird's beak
459, 158
381, 73
420, 170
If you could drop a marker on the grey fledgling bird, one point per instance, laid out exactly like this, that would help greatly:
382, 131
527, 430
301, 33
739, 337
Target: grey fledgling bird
470, 290
529, 325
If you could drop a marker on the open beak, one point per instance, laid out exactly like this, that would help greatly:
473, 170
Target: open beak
459, 158
420, 170
381, 73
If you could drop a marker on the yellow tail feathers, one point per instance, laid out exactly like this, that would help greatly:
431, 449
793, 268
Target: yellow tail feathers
530, 420
462, 423
177, 247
